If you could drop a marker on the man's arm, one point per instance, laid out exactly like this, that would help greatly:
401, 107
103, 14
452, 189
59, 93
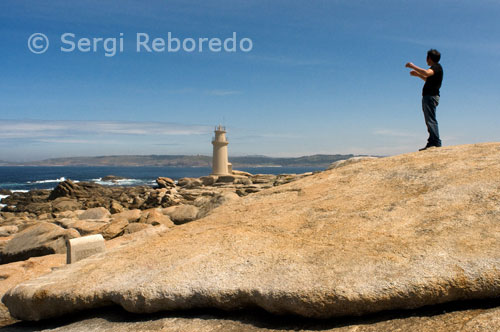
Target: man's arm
416, 74
423, 72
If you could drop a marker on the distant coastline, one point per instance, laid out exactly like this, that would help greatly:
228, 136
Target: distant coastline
318, 160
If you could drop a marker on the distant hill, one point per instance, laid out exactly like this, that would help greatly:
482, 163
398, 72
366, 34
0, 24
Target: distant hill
319, 160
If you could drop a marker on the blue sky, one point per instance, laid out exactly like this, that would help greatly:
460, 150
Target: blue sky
322, 77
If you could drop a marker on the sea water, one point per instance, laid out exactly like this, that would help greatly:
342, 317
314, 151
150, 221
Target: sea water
17, 178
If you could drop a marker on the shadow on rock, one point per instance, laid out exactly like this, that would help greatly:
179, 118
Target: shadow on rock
452, 315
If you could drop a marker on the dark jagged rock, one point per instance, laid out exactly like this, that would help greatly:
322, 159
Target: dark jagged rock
27, 202
76, 190
112, 178
93, 195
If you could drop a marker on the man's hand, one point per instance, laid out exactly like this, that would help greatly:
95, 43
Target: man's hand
410, 65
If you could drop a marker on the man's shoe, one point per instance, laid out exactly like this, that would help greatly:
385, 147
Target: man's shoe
425, 147
429, 146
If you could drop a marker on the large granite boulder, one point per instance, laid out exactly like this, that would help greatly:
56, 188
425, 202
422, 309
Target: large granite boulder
38, 240
391, 233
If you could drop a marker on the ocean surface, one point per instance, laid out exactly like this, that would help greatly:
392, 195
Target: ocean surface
24, 178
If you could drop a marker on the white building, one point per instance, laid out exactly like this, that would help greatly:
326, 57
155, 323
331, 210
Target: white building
220, 164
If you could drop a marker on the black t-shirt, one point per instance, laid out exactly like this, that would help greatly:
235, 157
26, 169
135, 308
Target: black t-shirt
433, 83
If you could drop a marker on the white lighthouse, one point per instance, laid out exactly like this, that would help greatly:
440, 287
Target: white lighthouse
220, 164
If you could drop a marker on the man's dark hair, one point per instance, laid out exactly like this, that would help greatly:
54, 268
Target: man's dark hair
434, 55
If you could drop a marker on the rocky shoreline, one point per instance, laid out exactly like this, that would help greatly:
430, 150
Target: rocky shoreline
38, 222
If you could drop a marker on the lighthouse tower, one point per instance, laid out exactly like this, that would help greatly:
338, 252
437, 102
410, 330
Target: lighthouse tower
220, 164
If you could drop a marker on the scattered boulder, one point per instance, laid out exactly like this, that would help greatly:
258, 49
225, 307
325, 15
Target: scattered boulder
243, 180
37, 208
137, 203
9, 215
181, 214
84, 227
65, 204
226, 179
116, 207
164, 182
67, 214
156, 217
114, 229
38, 240
189, 183
44, 216
209, 180
128, 215
136, 227
98, 213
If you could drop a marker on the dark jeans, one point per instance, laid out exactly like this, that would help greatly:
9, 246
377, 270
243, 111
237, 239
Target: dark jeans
429, 104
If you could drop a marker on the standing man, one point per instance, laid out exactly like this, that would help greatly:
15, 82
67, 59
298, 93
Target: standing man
433, 78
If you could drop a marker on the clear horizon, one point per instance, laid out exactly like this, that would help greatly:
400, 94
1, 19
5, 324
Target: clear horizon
322, 77
188, 155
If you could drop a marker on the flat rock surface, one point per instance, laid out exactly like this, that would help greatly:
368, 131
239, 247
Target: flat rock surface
16, 272
13, 273
391, 233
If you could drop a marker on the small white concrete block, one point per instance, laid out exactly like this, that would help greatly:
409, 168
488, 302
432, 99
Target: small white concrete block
83, 247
